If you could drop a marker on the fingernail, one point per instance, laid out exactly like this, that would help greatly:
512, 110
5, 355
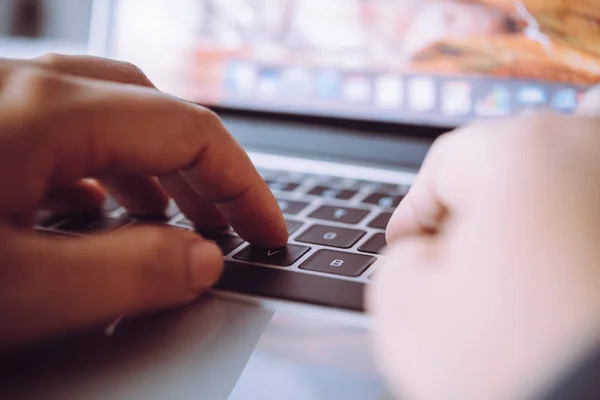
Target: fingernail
206, 265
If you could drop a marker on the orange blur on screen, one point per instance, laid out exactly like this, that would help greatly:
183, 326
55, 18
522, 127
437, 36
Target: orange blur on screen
547, 40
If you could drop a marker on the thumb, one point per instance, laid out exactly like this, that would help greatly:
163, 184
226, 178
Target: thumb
590, 105
54, 285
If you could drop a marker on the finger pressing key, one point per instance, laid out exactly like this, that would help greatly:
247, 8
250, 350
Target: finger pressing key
213, 164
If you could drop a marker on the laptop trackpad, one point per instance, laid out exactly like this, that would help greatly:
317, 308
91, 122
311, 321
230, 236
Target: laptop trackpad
216, 349
195, 353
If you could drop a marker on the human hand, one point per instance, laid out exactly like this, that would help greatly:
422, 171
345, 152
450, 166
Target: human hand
491, 287
65, 119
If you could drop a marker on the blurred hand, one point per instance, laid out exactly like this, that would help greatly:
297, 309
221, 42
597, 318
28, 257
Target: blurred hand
492, 285
65, 119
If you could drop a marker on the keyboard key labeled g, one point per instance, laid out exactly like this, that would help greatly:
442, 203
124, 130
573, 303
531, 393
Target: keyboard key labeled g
331, 236
283, 257
338, 263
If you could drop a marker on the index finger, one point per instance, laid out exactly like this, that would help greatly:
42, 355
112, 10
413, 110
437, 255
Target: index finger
91, 128
445, 179
421, 211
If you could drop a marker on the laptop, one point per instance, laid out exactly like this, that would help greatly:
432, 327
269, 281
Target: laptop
337, 103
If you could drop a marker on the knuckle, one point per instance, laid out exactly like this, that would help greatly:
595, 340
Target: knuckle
131, 68
198, 119
132, 73
36, 85
51, 59
212, 118
201, 116
33, 98
210, 115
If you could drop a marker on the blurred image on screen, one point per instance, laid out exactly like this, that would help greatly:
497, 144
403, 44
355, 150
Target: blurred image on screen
439, 62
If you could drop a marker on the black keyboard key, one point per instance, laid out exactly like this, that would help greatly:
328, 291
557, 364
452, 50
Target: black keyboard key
282, 186
283, 257
348, 183
292, 226
89, 224
384, 200
391, 188
328, 180
226, 243
382, 221
292, 207
333, 193
331, 236
376, 245
338, 263
340, 214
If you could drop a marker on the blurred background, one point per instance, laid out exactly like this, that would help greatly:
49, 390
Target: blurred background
430, 62
30, 27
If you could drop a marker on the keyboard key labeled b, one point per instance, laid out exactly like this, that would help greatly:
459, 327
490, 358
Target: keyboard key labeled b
384, 200
283, 257
331, 236
376, 245
340, 214
338, 263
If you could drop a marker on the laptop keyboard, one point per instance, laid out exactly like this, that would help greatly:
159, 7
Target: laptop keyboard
336, 225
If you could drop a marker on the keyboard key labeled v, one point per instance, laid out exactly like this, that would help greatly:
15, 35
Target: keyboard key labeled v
283, 257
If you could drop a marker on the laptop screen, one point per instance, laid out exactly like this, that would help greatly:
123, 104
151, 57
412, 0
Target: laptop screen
431, 62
